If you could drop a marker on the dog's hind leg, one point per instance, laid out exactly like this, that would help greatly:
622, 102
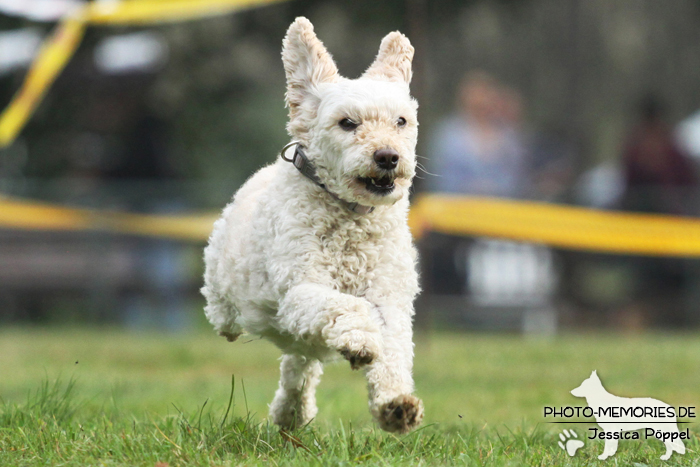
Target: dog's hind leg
294, 404
390, 380
222, 314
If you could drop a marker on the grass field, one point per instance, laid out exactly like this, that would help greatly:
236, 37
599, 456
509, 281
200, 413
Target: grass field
106, 397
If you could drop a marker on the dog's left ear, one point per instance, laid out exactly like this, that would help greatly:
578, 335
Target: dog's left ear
393, 62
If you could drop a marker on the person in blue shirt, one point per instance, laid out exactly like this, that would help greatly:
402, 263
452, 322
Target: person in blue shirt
480, 150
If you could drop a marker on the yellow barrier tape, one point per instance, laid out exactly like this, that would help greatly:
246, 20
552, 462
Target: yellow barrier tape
59, 48
154, 11
555, 225
558, 226
195, 227
28, 215
54, 55
38, 216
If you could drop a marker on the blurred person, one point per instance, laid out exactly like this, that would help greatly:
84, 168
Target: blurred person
483, 150
659, 178
480, 149
545, 160
658, 174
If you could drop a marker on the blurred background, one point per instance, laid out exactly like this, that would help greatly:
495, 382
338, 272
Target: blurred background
591, 103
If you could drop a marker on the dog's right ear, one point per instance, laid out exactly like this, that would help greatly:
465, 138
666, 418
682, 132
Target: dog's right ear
307, 64
393, 62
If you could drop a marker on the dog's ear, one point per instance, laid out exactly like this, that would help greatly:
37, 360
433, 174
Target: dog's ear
307, 63
393, 62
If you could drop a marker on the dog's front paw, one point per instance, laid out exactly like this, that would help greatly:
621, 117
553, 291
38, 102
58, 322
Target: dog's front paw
230, 336
402, 414
359, 348
359, 358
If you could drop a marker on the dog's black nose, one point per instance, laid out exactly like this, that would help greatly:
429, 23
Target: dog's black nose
386, 158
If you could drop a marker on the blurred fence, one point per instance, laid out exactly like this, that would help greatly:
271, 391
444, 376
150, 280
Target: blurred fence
131, 254
105, 252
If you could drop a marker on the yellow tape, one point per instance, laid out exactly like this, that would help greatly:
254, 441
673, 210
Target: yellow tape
559, 226
555, 225
25, 215
195, 227
38, 216
59, 48
154, 11
54, 55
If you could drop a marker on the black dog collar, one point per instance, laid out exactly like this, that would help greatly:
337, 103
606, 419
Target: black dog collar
307, 169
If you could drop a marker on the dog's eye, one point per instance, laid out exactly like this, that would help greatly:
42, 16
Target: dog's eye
347, 124
401, 122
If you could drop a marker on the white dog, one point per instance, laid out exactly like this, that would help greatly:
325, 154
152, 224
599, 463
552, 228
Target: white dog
315, 255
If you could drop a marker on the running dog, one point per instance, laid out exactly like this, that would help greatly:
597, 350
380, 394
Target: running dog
314, 251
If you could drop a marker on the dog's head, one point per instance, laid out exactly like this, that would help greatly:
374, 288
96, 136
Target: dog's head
590, 386
360, 134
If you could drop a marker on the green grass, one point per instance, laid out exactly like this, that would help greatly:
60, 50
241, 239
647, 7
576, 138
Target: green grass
106, 397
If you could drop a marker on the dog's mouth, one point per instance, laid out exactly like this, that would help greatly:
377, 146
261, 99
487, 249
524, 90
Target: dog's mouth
379, 185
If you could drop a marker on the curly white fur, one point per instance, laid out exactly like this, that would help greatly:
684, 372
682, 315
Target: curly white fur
290, 263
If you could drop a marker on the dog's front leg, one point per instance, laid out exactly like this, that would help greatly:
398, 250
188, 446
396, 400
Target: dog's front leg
390, 378
340, 321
